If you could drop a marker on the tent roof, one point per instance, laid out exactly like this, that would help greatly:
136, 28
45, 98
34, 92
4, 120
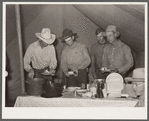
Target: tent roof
129, 20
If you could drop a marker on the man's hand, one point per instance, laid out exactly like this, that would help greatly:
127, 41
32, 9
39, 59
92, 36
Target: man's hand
31, 73
76, 73
75, 70
67, 74
95, 81
103, 69
52, 71
114, 70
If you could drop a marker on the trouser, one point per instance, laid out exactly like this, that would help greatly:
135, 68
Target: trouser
123, 75
38, 74
100, 75
77, 81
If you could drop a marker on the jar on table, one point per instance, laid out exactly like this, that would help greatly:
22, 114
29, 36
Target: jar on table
100, 87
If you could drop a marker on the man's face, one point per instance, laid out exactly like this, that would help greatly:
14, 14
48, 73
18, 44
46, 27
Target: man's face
69, 41
111, 37
138, 87
101, 38
43, 43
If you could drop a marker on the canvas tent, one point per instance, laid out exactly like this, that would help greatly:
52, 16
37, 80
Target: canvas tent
83, 19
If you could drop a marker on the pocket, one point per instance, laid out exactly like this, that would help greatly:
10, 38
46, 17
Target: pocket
77, 53
77, 56
119, 55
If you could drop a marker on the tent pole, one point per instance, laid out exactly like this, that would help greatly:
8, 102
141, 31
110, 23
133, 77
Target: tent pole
18, 24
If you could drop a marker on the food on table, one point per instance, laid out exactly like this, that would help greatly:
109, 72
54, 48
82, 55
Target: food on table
70, 72
87, 94
46, 71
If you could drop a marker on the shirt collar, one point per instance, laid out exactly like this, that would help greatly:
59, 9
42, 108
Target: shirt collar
116, 43
101, 44
38, 44
74, 44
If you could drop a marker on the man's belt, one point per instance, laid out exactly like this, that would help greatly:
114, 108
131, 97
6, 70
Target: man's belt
40, 70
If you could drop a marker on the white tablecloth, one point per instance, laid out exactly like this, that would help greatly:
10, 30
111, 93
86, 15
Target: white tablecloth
34, 101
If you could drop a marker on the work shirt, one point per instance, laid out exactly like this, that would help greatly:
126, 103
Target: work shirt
40, 57
75, 57
141, 102
118, 55
96, 57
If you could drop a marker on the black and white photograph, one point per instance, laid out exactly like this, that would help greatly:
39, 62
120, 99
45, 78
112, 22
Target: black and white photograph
74, 60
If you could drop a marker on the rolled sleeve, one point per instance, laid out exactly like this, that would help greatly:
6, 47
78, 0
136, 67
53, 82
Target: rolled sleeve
64, 66
53, 63
27, 59
86, 58
129, 60
93, 62
105, 62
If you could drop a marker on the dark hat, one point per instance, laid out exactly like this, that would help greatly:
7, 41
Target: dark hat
68, 33
99, 30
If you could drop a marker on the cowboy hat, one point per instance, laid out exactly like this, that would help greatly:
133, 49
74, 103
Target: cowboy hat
111, 28
68, 33
137, 76
46, 36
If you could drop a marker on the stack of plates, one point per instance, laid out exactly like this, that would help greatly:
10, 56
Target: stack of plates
114, 85
114, 77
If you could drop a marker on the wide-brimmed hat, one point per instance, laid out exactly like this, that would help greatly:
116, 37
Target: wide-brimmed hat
68, 33
46, 36
112, 28
137, 76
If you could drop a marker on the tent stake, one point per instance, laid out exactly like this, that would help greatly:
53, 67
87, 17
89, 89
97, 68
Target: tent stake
18, 24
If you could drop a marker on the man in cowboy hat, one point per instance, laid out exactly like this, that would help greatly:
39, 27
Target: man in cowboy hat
74, 57
41, 54
97, 53
138, 80
117, 55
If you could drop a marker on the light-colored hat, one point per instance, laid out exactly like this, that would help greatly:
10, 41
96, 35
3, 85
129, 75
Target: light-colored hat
46, 36
137, 76
111, 28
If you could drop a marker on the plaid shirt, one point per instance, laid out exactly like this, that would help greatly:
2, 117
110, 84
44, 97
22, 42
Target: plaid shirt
118, 56
39, 57
75, 57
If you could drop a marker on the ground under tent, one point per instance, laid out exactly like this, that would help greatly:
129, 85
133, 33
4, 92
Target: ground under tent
82, 19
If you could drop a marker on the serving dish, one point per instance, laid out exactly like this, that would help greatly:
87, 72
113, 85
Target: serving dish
73, 88
81, 90
46, 72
